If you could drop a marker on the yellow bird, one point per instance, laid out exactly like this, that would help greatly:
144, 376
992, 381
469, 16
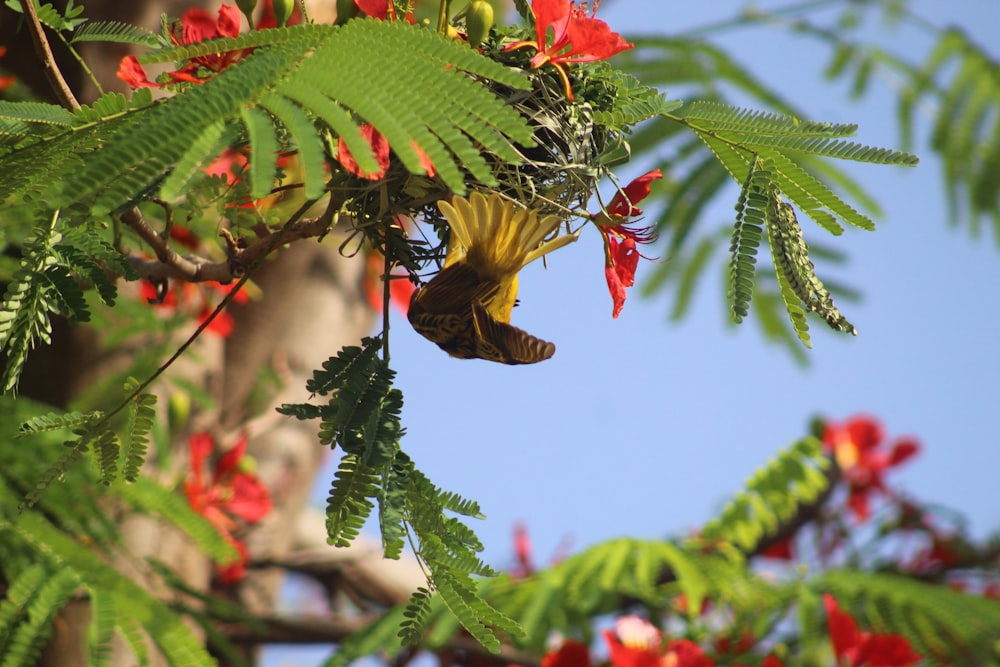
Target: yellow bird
465, 309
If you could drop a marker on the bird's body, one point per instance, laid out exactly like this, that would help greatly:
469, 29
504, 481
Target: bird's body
465, 309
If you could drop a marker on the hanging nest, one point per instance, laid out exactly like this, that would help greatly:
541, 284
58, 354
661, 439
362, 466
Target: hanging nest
556, 176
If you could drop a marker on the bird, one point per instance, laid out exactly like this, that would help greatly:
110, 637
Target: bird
465, 309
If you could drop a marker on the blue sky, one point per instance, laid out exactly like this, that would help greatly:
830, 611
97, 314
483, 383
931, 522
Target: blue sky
641, 427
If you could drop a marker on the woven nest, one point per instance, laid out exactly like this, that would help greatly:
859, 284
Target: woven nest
556, 176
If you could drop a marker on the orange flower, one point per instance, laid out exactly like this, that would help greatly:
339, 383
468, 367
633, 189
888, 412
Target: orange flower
230, 494
856, 444
577, 38
854, 648
194, 299
621, 256
196, 26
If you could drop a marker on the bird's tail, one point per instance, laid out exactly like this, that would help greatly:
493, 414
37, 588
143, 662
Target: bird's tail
495, 237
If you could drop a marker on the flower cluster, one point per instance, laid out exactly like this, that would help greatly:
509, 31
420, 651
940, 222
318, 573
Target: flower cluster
230, 494
635, 642
195, 26
621, 257
577, 38
195, 299
854, 648
857, 447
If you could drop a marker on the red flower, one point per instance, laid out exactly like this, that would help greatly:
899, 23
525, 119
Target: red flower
6, 81
855, 445
685, 653
196, 25
570, 654
854, 648
230, 494
634, 642
195, 299
621, 257
522, 551
577, 38
380, 147
783, 549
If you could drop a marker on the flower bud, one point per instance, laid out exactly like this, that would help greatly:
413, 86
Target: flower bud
478, 21
283, 11
178, 410
247, 7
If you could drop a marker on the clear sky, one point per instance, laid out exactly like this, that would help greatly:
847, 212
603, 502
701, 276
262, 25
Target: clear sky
644, 428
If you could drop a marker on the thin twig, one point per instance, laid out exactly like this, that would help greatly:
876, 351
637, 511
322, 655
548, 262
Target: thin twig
44, 51
170, 264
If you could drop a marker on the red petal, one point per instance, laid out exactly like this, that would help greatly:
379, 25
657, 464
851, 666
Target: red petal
904, 450
625, 259
229, 21
844, 634
197, 25
858, 502
251, 500
132, 73
886, 650
380, 147
221, 326
624, 202
783, 550
626, 656
685, 653
771, 661
865, 432
555, 14
425, 161
570, 654
230, 461
200, 445
234, 574
591, 39
616, 289
522, 549
374, 8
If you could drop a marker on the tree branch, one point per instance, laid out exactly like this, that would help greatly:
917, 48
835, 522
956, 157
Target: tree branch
194, 269
44, 52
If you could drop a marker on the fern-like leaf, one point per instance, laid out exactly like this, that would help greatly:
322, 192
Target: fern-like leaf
30, 637
415, 615
141, 415
772, 495
751, 215
114, 31
366, 68
35, 112
14, 607
349, 502
173, 638
102, 629
24, 317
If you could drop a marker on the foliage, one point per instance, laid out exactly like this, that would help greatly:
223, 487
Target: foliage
92, 195
362, 418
